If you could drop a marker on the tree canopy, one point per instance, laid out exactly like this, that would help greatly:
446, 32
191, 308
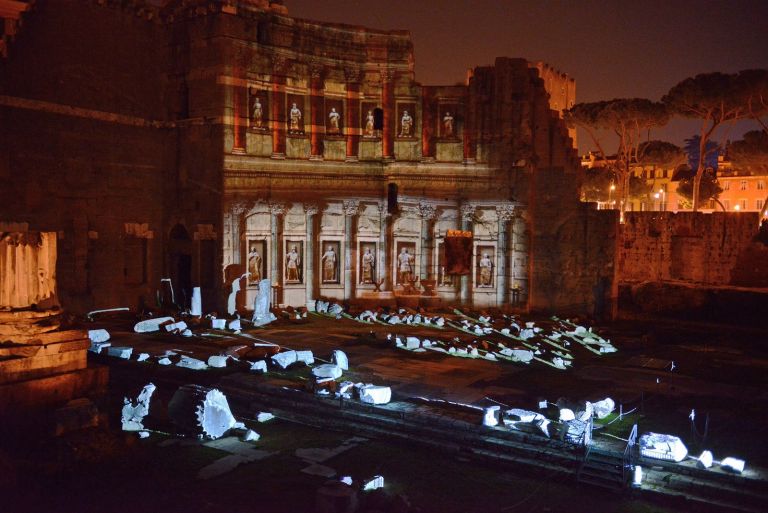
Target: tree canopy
662, 154
709, 189
751, 152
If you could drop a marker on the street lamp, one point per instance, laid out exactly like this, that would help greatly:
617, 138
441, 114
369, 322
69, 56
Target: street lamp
737, 207
610, 194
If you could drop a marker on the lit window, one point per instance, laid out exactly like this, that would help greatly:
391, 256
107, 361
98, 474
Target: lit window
743, 204
758, 204
726, 185
760, 185
727, 204
743, 185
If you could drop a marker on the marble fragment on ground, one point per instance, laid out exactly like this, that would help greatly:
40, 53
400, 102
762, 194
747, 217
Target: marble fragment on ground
201, 410
133, 413
151, 325
663, 447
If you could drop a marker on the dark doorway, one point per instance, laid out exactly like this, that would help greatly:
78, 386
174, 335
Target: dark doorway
180, 265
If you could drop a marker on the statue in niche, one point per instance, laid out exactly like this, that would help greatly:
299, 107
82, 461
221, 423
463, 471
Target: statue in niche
329, 265
295, 119
292, 265
405, 266
334, 118
254, 265
258, 114
406, 125
369, 124
447, 125
369, 261
486, 271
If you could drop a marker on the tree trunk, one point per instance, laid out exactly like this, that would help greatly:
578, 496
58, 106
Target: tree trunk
695, 191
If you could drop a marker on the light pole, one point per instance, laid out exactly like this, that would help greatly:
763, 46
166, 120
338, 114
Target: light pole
610, 195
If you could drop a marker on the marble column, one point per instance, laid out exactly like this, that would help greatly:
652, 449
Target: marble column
276, 211
309, 253
467, 217
504, 213
237, 210
427, 213
351, 209
388, 105
317, 111
277, 106
519, 256
352, 113
384, 263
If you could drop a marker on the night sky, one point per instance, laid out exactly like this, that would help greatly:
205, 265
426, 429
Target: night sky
613, 49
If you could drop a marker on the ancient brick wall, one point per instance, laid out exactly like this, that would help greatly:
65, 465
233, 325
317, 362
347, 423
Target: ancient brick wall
684, 246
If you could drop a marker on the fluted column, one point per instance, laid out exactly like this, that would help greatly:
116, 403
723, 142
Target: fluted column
309, 252
383, 257
352, 113
237, 210
277, 106
388, 105
504, 213
317, 114
276, 211
467, 217
427, 213
351, 208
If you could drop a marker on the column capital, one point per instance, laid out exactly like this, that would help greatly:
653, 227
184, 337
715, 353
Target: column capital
316, 70
426, 210
311, 209
352, 74
383, 209
506, 212
239, 207
351, 207
468, 211
279, 63
277, 209
387, 74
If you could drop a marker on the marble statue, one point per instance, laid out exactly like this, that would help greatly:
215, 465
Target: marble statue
406, 125
447, 125
254, 266
329, 265
405, 265
258, 114
486, 271
261, 304
334, 118
369, 261
292, 264
369, 124
295, 117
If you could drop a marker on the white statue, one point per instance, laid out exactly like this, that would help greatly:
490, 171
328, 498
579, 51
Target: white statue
486, 271
292, 265
329, 265
369, 262
369, 124
295, 116
405, 265
447, 125
334, 118
406, 125
261, 304
258, 114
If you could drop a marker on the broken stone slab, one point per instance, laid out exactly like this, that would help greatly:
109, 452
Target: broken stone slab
732, 464
518, 355
97, 336
176, 326
200, 410
305, 356
285, 359
164, 361
133, 413
662, 447
321, 306
326, 371
374, 484
335, 309
251, 436
412, 343
520, 415
196, 309
151, 325
120, 352
142, 357
188, 362
217, 361
340, 358
373, 394
96, 347
705, 459
234, 325
603, 408
259, 366
264, 416
491, 416
393, 319
218, 324
186, 333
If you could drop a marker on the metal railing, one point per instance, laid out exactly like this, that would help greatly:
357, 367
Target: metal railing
629, 454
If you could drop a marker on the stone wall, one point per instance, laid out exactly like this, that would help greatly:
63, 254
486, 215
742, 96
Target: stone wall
684, 246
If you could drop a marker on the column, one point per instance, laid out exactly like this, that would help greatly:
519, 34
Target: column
383, 260
352, 113
351, 208
239, 117
309, 253
276, 211
237, 210
427, 213
277, 106
504, 213
467, 217
519, 256
388, 105
317, 111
